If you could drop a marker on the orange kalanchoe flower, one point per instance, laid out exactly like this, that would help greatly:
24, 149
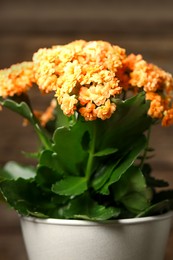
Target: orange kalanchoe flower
168, 117
68, 104
156, 106
83, 75
44, 68
87, 76
105, 111
88, 112
137, 74
124, 73
149, 76
17, 79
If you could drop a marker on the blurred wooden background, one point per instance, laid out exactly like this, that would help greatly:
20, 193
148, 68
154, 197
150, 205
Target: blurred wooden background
144, 27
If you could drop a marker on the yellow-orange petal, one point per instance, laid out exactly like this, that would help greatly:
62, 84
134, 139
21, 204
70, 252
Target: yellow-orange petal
16, 79
105, 111
168, 117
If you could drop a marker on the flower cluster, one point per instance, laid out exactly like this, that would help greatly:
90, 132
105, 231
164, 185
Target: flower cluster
83, 75
86, 76
17, 79
138, 74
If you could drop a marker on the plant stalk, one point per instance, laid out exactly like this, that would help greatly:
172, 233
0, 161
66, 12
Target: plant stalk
146, 149
43, 138
91, 155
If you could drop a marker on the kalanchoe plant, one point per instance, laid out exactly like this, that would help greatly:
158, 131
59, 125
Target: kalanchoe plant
94, 135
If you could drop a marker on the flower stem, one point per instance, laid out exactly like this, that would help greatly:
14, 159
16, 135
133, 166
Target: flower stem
146, 149
42, 136
91, 155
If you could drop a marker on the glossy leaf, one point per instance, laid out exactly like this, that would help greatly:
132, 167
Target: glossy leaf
83, 207
105, 152
87, 170
103, 174
46, 177
127, 161
70, 186
30, 200
20, 108
24, 110
131, 190
50, 160
23, 195
15, 171
128, 122
157, 208
62, 120
135, 202
70, 152
131, 181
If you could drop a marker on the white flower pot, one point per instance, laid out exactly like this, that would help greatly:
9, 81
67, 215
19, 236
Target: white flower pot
127, 239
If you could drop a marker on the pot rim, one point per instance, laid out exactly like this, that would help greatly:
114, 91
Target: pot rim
75, 222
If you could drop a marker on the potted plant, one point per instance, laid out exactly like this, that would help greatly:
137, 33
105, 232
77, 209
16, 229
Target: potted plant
92, 183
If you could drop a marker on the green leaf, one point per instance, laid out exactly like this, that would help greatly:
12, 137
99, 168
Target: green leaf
125, 164
131, 190
28, 199
21, 194
46, 177
128, 122
23, 109
70, 186
83, 207
50, 160
135, 202
105, 152
131, 181
15, 171
37, 214
156, 209
68, 146
63, 120
4, 175
103, 174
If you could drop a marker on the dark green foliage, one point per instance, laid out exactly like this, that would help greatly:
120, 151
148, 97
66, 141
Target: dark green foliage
87, 170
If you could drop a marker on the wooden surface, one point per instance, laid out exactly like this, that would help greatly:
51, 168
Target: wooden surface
144, 27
